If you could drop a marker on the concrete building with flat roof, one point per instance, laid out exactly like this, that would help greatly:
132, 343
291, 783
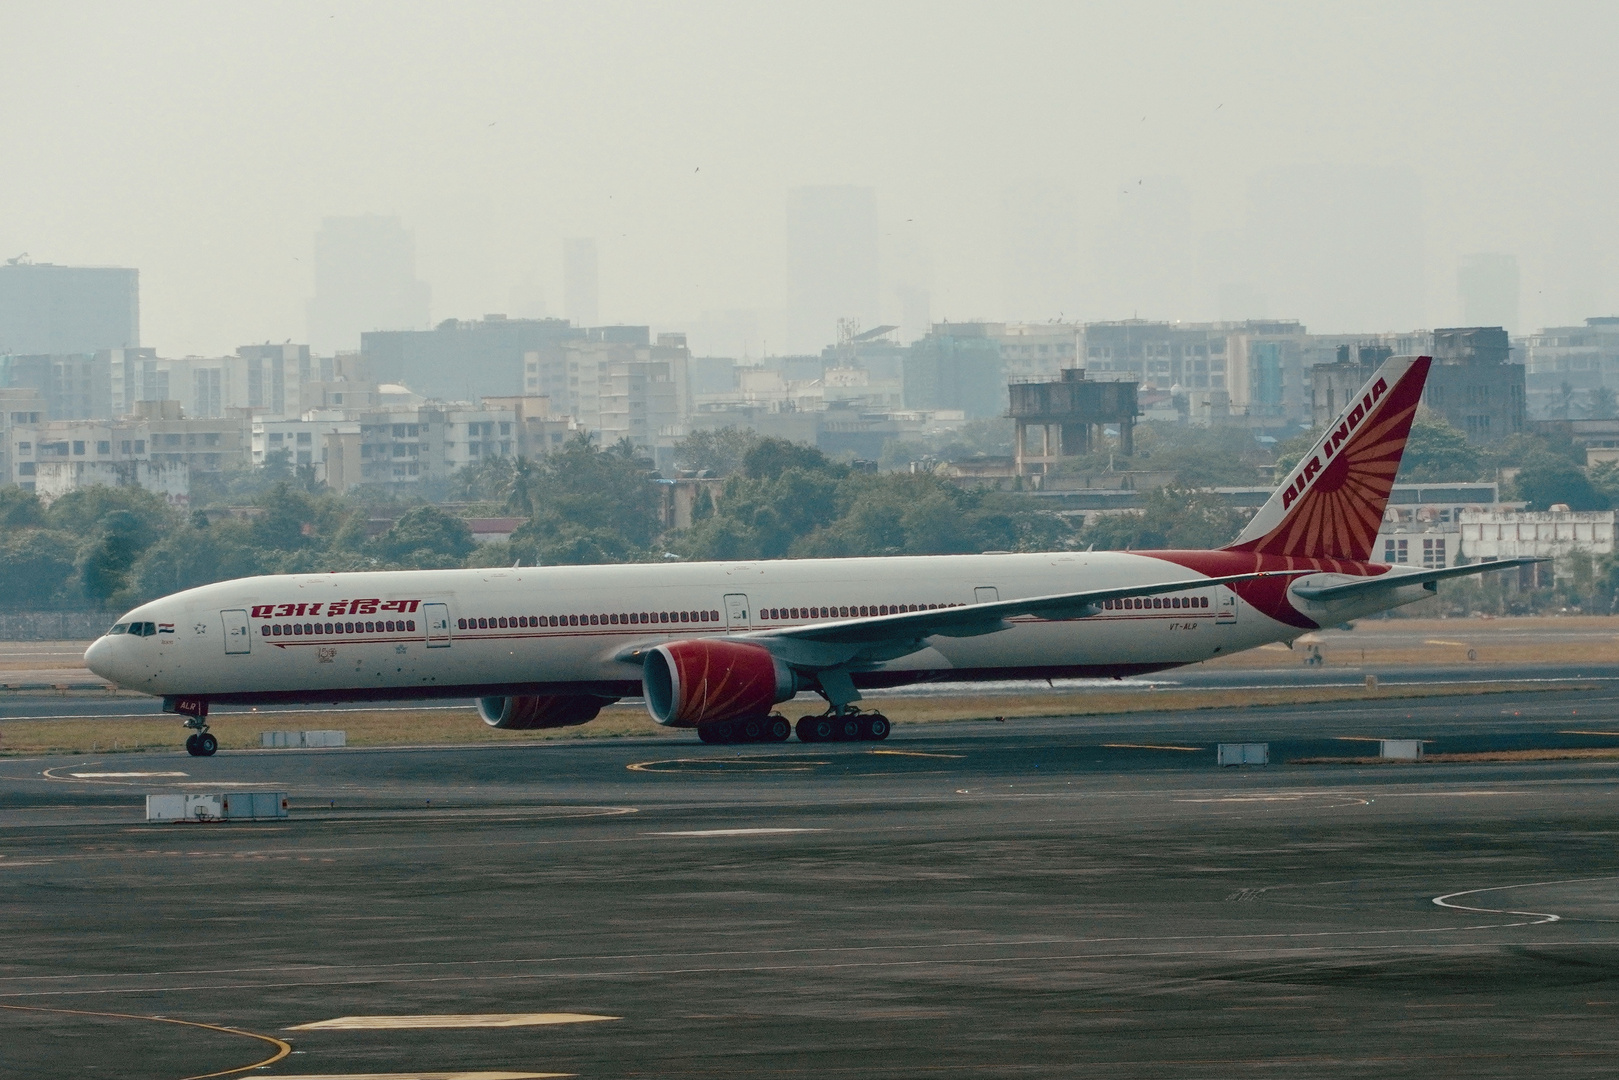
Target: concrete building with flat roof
465, 361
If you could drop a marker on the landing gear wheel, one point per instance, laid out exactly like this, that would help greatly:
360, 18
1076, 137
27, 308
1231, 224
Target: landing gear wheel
777, 729
874, 726
207, 745
724, 732
847, 728
707, 733
192, 748
750, 730
805, 728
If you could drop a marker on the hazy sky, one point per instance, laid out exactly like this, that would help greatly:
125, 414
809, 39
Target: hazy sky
203, 143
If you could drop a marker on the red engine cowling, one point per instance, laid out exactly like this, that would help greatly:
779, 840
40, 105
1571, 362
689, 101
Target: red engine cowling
548, 711
697, 682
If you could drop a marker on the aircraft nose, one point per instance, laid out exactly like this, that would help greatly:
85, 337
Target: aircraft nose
99, 658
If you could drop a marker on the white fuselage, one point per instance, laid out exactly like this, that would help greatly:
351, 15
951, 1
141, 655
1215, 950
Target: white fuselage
438, 633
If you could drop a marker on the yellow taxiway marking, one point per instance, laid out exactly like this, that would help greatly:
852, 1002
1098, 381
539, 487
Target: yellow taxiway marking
1588, 733
467, 1020
914, 753
483, 1075
783, 763
1151, 746
1436, 641
97, 775
731, 832
282, 1048
1361, 738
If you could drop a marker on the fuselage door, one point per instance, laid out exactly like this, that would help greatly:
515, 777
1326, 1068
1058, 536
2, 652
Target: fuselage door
238, 634
1225, 610
986, 594
736, 609
437, 617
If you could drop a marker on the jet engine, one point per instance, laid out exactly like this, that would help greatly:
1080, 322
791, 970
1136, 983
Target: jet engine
701, 681
540, 711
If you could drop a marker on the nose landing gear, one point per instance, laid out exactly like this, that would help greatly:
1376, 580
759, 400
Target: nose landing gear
202, 744
195, 710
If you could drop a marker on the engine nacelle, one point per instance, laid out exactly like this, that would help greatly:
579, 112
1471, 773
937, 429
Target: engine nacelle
547, 711
698, 682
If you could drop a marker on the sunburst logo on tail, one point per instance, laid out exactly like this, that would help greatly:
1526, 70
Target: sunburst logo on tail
1333, 502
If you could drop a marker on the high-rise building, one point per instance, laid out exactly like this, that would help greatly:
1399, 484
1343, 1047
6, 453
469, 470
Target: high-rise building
74, 386
273, 376
957, 366
365, 279
464, 361
581, 288
1488, 284
58, 310
831, 263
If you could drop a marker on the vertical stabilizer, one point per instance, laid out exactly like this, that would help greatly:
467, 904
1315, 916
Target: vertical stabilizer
1333, 500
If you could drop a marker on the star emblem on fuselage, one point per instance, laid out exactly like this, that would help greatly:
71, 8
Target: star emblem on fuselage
400, 649
201, 629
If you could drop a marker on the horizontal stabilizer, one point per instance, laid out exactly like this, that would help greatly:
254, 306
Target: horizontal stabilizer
1394, 579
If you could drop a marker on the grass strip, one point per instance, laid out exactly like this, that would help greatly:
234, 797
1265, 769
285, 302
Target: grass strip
434, 727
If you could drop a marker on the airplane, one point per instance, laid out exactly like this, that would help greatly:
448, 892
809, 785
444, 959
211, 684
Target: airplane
716, 646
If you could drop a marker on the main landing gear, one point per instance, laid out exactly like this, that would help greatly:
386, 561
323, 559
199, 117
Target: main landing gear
846, 727
202, 743
772, 728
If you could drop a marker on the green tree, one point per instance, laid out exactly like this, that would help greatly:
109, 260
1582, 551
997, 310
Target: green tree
591, 506
107, 556
1174, 518
769, 458
81, 512
426, 536
193, 556
716, 451
35, 566
1546, 480
1200, 457
1437, 452
20, 509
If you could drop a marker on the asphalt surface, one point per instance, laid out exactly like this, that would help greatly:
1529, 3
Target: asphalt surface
40, 704
1057, 897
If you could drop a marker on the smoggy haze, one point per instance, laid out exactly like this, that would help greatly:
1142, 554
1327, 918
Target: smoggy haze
1201, 148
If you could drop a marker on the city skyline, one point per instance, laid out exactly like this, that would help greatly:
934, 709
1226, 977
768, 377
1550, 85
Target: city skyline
674, 139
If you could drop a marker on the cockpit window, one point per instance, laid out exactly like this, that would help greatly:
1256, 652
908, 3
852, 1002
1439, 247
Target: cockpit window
119, 629
143, 629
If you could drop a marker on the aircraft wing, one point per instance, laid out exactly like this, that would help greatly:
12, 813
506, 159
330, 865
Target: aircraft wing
1343, 590
970, 620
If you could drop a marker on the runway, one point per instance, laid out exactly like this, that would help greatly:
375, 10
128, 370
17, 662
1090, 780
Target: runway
1036, 898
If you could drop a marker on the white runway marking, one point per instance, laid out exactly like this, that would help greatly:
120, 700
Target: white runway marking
1540, 917
89, 775
734, 832
467, 1020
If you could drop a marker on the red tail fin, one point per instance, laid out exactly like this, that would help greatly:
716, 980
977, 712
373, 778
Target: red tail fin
1334, 499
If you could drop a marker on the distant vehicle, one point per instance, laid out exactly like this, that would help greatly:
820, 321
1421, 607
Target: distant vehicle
716, 646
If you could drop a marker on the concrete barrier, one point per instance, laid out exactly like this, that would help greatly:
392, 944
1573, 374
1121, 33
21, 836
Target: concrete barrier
1400, 749
1242, 753
298, 740
229, 806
